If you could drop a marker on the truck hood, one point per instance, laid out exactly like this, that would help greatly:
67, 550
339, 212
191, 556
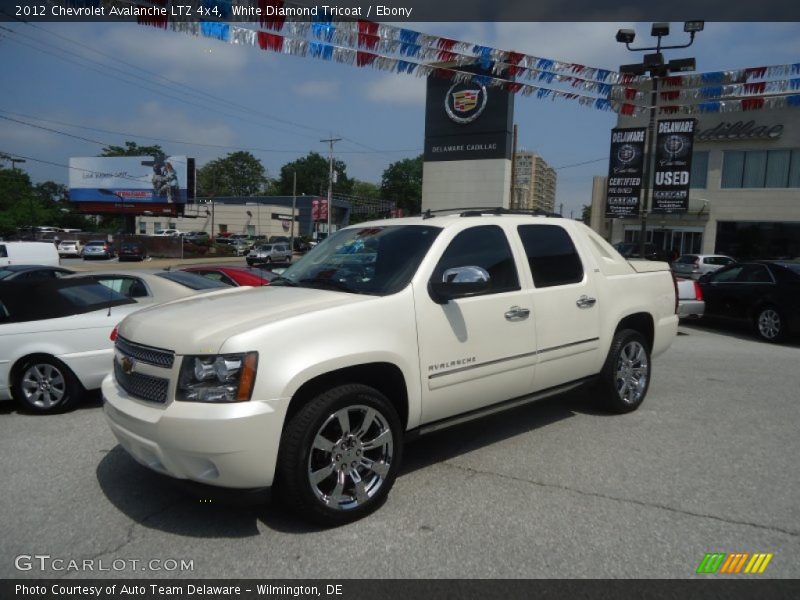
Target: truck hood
201, 324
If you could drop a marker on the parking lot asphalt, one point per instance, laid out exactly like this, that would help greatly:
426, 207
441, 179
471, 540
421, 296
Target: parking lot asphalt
555, 489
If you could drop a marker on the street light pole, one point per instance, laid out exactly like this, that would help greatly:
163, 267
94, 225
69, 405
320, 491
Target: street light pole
331, 142
654, 66
294, 207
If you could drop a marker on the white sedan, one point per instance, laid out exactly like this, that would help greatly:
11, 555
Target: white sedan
55, 340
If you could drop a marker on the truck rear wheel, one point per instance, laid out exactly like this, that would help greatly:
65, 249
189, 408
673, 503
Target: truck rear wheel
340, 454
625, 377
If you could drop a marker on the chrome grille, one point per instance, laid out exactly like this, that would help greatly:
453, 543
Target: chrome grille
139, 385
146, 354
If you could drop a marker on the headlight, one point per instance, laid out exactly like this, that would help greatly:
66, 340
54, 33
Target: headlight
220, 378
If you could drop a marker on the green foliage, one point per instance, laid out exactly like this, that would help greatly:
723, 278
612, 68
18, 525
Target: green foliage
134, 149
402, 182
365, 189
586, 214
238, 174
312, 176
22, 204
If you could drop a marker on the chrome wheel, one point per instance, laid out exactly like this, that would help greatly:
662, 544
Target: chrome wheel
350, 457
769, 323
632, 372
43, 385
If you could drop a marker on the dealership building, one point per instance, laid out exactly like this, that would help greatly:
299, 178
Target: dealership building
744, 189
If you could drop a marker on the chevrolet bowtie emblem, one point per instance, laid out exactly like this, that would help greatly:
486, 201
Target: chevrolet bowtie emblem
127, 365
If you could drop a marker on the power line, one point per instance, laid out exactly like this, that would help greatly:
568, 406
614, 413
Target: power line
157, 139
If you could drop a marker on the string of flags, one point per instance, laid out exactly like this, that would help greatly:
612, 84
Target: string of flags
390, 48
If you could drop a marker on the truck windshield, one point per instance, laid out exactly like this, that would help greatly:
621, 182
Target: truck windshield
363, 260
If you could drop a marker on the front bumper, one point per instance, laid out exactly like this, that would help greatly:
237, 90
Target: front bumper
227, 445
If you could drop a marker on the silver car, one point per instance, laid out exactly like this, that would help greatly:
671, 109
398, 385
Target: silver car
98, 249
269, 253
70, 248
695, 266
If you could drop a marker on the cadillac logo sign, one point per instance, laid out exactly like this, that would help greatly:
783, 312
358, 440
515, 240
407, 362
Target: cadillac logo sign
464, 102
127, 365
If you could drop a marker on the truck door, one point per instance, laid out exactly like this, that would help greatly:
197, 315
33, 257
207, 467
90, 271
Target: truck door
479, 350
565, 307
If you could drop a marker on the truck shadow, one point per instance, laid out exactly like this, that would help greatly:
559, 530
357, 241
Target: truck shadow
734, 329
159, 502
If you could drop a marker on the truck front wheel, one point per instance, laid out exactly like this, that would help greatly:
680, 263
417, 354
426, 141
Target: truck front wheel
625, 377
340, 454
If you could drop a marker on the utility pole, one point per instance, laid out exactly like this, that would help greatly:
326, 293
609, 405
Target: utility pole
513, 198
331, 142
294, 207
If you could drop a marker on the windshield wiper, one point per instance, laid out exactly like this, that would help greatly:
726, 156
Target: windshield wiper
332, 283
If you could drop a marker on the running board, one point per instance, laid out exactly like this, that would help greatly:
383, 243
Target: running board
494, 408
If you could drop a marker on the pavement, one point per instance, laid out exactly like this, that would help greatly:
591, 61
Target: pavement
557, 489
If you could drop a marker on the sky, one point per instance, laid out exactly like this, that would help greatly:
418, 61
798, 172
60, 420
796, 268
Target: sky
107, 77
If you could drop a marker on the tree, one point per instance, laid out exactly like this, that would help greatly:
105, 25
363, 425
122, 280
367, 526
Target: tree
365, 189
586, 214
312, 176
134, 149
238, 174
402, 183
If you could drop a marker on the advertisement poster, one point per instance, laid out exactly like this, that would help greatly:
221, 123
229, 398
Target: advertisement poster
673, 166
626, 163
139, 179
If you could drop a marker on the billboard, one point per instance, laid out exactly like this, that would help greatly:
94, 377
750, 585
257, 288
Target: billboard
674, 141
131, 183
625, 172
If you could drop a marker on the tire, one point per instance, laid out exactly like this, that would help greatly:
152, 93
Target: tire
769, 324
323, 471
625, 377
267, 260
45, 385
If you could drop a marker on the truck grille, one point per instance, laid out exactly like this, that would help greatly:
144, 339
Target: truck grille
139, 385
146, 354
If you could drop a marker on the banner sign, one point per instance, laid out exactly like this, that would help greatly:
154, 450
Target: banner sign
129, 179
319, 209
625, 172
673, 166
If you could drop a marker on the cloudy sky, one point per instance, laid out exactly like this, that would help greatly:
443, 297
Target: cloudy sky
106, 83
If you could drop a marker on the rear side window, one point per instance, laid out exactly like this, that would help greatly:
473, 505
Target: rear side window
687, 259
717, 260
484, 246
551, 255
3, 251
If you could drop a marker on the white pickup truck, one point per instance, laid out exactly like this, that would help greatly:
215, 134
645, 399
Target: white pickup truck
386, 330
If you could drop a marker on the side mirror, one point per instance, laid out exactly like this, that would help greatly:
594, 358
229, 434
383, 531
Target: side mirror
459, 282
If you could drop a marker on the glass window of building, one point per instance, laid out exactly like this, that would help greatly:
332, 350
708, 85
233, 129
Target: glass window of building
699, 176
760, 169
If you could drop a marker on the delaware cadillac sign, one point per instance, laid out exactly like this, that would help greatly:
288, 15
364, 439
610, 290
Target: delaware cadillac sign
625, 172
465, 121
673, 166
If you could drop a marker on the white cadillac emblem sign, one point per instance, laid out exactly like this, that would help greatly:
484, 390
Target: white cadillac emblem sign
464, 102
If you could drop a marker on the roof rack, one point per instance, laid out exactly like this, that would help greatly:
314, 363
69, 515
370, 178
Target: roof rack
477, 211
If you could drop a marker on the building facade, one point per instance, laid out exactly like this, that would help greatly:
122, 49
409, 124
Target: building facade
534, 183
745, 189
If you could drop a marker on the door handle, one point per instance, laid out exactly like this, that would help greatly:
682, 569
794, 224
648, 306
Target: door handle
517, 313
585, 302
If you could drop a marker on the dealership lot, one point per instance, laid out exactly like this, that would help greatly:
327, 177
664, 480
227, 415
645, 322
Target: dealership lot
557, 489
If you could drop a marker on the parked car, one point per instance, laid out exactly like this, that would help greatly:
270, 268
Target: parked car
28, 253
269, 253
690, 299
317, 379
98, 249
168, 233
153, 287
32, 272
240, 247
132, 251
696, 265
196, 236
234, 276
54, 340
70, 248
765, 294
651, 251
